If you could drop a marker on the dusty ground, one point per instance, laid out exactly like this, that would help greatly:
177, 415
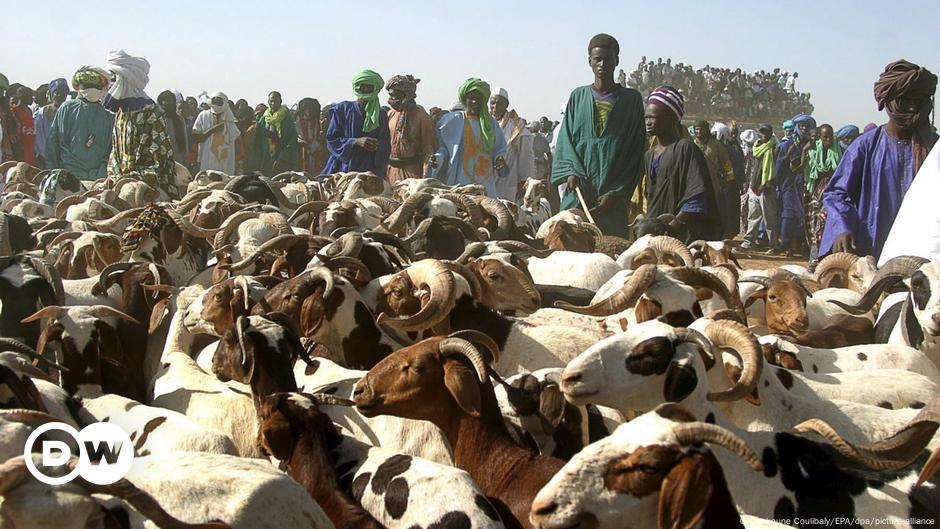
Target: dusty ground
760, 261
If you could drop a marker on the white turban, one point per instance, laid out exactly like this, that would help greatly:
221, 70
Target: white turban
721, 131
501, 92
749, 136
130, 74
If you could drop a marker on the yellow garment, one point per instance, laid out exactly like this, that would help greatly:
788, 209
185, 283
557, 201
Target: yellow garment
601, 111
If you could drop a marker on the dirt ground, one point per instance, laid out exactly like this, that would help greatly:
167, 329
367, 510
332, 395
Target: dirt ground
760, 261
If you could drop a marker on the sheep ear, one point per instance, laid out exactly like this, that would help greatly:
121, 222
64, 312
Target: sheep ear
680, 381
462, 384
685, 492
760, 294
552, 405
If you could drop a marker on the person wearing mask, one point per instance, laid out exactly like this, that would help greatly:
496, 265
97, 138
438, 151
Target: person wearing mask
357, 135
79, 139
58, 90
413, 139
215, 131
141, 147
846, 135
175, 126
275, 140
865, 192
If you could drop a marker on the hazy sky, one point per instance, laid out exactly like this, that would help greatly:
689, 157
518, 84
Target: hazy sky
536, 50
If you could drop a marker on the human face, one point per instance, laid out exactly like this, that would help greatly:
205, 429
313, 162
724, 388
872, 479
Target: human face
603, 60
396, 98
763, 135
498, 106
658, 120
58, 97
24, 96
848, 139
804, 128
826, 135
274, 101
167, 102
474, 102
365, 89
702, 133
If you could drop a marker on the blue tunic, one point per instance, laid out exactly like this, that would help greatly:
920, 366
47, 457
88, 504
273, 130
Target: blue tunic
865, 192
346, 119
458, 167
790, 191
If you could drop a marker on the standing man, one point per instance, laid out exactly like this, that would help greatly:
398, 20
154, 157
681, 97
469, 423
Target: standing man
275, 140
600, 142
721, 174
865, 192
357, 135
308, 133
762, 200
43, 116
175, 126
412, 133
471, 148
215, 131
791, 158
26, 127
79, 140
520, 156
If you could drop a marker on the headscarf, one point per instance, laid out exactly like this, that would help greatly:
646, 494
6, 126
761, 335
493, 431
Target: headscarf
802, 118
486, 124
668, 98
371, 121
788, 125
131, 75
408, 85
764, 153
220, 141
88, 75
846, 131
821, 163
178, 95
900, 79
58, 84
722, 132
749, 136
4, 82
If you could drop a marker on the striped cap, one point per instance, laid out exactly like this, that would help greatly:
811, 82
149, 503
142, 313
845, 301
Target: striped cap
668, 98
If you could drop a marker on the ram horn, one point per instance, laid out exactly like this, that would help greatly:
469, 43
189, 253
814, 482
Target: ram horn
472, 251
468, 205
466, 273
122, 216
16, 346
324, 273
188, 227
101, 288
833, 263
64, 236
279, 221
624, 298
279, 243
349, 245
670, 245
684, 335
460, 347
325, 399
692, 433
51, 312
314, 207
735, 336
727, 276
763, 281
896, 269
930, 468
190, 200
440, 281
504, 222
12, 472
282, 200
240, 330
242, 283
104, 311
397, 221
479, 338
51, 276
388, 205
62, 207
698, 278
335, 263
230, 226
521, 247
28, 416
388, 239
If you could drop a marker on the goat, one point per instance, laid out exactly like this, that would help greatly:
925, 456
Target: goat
26, 283
430, 381
846, 270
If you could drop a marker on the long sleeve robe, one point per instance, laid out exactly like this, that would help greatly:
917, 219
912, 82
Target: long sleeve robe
520, 156
865, 192
460, 152
681, 177
346, 120
286, 155
606, 164
916, 230
412, 146
79, 139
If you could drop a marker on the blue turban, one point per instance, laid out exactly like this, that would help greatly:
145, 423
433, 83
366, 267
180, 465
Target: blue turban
803, 118
848, 130
58, 84
788, 125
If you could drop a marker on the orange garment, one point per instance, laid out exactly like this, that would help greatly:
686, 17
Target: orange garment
412, 146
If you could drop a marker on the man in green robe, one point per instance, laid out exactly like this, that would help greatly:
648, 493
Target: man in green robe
601, 142
275, 143
79, 139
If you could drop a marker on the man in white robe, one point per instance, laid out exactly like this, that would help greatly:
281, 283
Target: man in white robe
520, 155
916, 229
215, 131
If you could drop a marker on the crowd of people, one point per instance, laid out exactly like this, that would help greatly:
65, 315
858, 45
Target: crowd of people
712, 92
801, 189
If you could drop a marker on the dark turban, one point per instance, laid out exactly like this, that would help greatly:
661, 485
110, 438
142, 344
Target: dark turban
603, 40
902, 78
406, 83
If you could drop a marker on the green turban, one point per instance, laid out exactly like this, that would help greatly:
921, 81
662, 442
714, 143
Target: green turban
4, 82
371, 121
486, 124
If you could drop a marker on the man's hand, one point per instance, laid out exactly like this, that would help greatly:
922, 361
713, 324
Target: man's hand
845, 243
499, 164
605, 203
573, 183
369, 144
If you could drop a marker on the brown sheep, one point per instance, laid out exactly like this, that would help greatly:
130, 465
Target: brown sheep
445, 380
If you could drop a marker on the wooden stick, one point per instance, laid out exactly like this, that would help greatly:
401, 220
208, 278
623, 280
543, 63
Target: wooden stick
584, 205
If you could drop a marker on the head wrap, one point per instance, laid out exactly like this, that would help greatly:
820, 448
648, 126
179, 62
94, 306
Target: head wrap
131, 74
603, 40
501, 92
58, 84
722, 132
846, 131
371, 121
788, 125
90, 75
668, 98
749, 136
405, 83
802, 118
868, 127
178, 95
902, 78
4, 82
767, 128
486, 124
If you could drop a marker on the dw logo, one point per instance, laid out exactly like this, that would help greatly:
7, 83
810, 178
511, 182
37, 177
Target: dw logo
105, 453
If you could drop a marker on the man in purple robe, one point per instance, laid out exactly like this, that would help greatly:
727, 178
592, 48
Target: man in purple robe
791, 156
357, 135
865, 192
